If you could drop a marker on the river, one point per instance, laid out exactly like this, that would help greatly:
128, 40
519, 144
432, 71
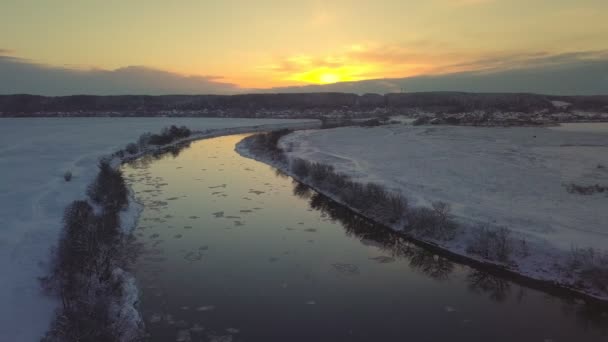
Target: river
232, 250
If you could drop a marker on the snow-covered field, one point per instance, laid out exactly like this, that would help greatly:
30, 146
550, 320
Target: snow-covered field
34, 155
511, 177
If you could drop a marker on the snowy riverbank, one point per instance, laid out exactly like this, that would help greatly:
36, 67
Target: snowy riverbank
34, 154
514, 178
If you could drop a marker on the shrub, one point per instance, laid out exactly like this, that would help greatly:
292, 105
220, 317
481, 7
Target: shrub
120, 154
435, 222
327, 123
452, 120
132, 148
586, 189
491, 244
318, 172
396, 207
370, 199
144, 139
159, 139
75, 247
371, 123
167, 135
67, 176
525, 250
300, 167
109, 189
179, 132
87, 266
591, 266
423, 120
268, 144
336, 182
382, 204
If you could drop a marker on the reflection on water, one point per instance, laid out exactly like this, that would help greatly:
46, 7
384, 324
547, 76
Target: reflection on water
234, 250
385, 239
496, 288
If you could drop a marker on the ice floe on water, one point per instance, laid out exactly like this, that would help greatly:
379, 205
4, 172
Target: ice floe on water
220, 338
155, 318
183, 336
344, 268
197, 328
383, 259
205, 308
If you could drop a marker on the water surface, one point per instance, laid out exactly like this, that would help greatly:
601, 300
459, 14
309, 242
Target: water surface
589, 127
234, 251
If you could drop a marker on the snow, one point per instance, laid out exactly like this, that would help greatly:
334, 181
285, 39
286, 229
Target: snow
34, 155
561, 104
511, 177
124, 313
403, 119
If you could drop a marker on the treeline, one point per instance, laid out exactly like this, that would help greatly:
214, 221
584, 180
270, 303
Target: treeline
167, 136
369, 199
89, 265
267, 144
94, 253
246, 104
435, 223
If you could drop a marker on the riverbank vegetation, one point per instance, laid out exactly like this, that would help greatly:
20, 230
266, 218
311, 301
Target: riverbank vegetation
590, 265
89, 262
94, 253
486, 242
586, 189
370, 199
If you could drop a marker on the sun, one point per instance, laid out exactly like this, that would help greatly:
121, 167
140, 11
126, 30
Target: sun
326, 78
324, 75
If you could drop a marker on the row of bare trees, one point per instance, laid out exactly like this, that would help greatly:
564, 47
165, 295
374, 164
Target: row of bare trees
91, 249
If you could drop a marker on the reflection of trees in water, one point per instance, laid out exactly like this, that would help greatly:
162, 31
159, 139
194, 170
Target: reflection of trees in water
167, 152
382, 237
589, 316
301, 190
431, 264
279, 173
437, 267
497, 288
395, 244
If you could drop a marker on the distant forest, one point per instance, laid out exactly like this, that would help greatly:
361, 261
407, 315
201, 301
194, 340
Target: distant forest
255, 105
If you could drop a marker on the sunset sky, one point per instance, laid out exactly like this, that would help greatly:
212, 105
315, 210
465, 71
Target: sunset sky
231, 46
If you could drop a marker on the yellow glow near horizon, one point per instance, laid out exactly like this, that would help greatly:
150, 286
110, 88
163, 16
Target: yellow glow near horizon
327, 78
312, 73
306, 42
322, 76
